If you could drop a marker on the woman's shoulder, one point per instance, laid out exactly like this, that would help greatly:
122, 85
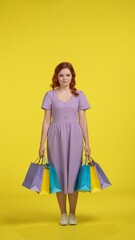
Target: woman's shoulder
80, 92
49, 92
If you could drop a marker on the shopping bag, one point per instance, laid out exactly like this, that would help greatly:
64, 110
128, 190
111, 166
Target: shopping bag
95, 183
83, 179
54, 181
45, 185
34, 175
104, 181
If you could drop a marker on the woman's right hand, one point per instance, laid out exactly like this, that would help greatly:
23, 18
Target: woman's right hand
41, 151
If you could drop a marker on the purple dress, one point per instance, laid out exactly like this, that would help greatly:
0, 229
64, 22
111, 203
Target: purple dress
65, 137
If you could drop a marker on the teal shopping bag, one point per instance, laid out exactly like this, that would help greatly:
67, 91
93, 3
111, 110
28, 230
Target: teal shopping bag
83, 181
54, 181
54, 184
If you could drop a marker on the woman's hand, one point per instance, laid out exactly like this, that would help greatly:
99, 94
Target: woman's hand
41, 151
87, 150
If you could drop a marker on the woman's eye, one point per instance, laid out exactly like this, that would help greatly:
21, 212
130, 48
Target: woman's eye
67, 75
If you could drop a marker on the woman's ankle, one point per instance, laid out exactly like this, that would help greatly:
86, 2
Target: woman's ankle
72, 212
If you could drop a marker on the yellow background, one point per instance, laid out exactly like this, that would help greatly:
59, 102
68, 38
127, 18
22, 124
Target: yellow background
98, 38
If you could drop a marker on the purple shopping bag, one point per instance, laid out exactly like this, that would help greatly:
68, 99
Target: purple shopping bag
33, 179
104, 181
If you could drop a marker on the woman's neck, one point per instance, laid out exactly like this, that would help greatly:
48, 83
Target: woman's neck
64, 89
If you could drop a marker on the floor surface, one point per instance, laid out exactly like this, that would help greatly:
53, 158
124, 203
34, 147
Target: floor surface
101, 215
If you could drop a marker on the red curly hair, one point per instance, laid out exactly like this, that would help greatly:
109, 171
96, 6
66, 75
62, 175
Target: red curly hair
55, 82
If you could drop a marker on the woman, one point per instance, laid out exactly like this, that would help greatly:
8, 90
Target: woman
65, 127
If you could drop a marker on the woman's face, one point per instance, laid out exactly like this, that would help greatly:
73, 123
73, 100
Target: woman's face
64, 77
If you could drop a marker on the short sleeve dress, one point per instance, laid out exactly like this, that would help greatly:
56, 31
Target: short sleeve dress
65, 137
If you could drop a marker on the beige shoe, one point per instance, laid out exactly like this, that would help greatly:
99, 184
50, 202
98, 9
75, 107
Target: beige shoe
64, 219
72, 219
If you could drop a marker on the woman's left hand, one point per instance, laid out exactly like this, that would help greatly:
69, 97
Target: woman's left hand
87, 150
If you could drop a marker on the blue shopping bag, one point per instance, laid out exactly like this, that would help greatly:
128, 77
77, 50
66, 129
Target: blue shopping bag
54, 181
54, 184
83, 181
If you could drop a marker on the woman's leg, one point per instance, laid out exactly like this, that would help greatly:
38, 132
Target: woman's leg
72, 201
61, 197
